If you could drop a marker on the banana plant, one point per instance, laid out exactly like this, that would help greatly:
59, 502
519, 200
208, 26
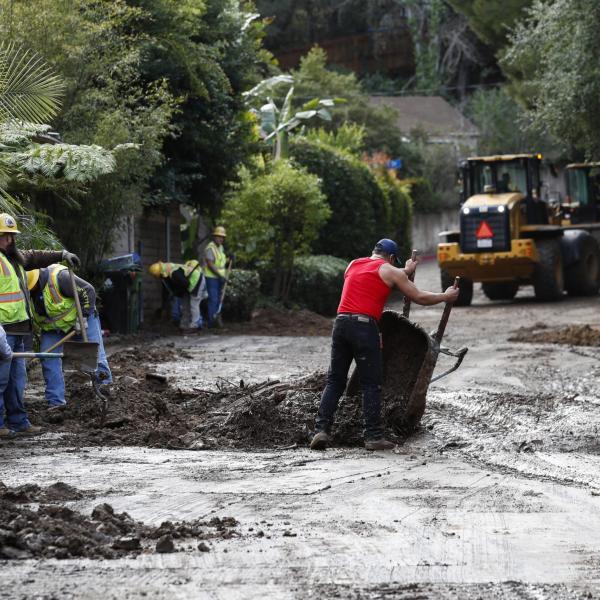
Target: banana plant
276, 123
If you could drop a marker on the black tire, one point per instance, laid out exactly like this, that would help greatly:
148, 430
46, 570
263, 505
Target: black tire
583, 277
548, 277
465, 293
504, 290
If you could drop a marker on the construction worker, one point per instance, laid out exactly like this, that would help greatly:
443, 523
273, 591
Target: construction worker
186, 282
215, 273
367, 285
55, 316
15, 317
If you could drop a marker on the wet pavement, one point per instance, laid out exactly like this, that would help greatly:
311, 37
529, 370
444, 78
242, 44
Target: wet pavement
496, 497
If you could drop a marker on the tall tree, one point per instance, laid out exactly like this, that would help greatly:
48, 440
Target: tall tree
555, 51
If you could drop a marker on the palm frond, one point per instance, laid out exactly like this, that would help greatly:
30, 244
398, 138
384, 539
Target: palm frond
73, 163
29, 90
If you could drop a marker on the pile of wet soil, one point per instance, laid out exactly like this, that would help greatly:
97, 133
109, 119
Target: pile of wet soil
572, 335
56, 531
145, 409
282, 322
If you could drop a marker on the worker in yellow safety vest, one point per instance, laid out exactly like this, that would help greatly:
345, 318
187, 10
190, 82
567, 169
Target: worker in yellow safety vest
185, 281
215, 273
55, 315
15, 318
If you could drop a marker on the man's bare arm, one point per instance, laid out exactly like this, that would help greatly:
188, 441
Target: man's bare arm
395, 277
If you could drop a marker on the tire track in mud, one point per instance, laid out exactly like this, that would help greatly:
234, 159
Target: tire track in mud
547, 428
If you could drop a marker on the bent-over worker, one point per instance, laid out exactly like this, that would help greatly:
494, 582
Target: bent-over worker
367, 285
188, 283
15, 317
55, 315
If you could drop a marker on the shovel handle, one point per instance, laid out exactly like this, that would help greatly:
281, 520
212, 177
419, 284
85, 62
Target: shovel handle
65, 339
77, 304
37, 355
229, 267
439, 334
411, 277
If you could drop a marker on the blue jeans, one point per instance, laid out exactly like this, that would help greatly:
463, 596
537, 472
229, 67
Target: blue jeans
13, 378
359, 340
214, 287
52, 367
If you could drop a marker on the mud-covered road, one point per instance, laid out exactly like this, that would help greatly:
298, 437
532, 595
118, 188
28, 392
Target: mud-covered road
497, 496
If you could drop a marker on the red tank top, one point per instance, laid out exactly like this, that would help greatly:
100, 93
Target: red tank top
364, 291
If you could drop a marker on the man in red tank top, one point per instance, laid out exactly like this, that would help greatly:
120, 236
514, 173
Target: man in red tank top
367, 285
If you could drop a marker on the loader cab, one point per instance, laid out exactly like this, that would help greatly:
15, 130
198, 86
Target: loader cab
582, 204
504, 174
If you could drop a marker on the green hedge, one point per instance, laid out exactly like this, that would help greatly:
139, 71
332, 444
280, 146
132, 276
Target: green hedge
424, 199
241, 295
357, 202
317, 282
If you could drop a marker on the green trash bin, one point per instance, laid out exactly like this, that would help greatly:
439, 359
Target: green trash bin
121, 294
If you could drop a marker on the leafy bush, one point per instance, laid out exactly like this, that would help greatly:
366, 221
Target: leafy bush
317, 282
275, 215
424, 199
241, 295
358, 213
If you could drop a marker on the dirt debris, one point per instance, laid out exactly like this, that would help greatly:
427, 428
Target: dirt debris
31, 492
149, 410
572, 335
57, 531
282, 322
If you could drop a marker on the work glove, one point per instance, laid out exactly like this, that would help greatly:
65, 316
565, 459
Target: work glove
71, 258
78, 325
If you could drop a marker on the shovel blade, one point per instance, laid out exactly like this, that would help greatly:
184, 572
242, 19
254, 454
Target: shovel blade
82, 356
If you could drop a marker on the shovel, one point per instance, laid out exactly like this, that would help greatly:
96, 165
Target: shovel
82, 357
86, 348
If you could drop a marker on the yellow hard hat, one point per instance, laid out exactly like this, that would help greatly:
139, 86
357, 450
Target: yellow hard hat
32, 278
220, 231
8, 224
155, 269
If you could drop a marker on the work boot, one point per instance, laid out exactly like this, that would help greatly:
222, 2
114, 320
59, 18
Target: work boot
379, 444
31, 430
320, 441
5, 432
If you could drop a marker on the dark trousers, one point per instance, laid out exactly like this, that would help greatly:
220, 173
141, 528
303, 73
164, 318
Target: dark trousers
354, 338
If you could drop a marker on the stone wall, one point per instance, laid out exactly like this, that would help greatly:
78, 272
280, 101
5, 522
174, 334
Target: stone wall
426, 227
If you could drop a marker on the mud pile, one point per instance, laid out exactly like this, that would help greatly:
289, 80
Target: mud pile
56, 531
144, 409
572, 335
280, 322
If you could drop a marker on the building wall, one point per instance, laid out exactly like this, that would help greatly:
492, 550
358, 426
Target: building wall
426, 227
157, 238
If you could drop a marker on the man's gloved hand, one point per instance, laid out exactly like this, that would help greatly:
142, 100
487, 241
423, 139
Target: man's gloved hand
78, 325
71, 258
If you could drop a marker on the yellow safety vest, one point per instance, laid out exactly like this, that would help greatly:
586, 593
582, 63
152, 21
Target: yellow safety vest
13, 298
190, 271
220, 260
61, 312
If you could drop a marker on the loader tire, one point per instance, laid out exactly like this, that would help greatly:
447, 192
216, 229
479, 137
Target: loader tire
504, 290
583, 277
465, 287
548, 277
